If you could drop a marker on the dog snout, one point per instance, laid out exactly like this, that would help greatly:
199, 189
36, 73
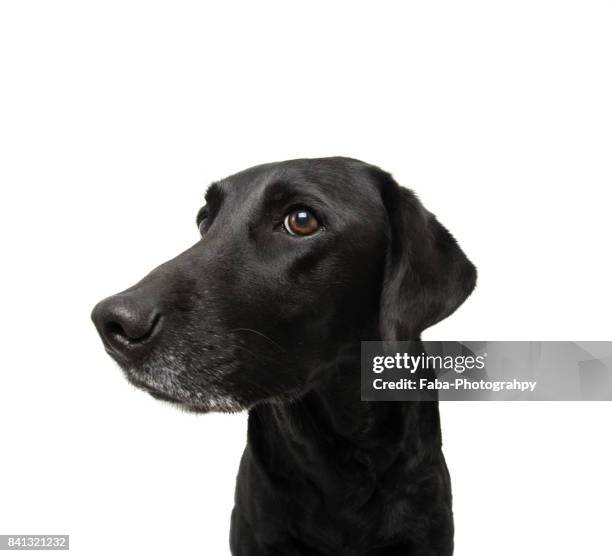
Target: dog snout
128, 324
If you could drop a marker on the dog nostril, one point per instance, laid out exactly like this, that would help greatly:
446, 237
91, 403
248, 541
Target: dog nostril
115, 329
132, 332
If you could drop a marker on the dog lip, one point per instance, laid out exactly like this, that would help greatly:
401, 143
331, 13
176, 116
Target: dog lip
162, 396
116, 355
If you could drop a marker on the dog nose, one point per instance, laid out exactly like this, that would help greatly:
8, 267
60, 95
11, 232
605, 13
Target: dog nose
128, 325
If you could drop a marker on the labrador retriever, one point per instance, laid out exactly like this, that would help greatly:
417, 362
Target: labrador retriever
298, 262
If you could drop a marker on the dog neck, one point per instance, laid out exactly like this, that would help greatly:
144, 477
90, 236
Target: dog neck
333, 441
328, 470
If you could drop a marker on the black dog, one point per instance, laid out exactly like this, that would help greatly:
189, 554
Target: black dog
298, 262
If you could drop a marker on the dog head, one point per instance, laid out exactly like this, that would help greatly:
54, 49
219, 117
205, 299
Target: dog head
296, 261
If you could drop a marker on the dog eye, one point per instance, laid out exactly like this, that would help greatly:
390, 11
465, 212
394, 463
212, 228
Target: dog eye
301, 222
202, 220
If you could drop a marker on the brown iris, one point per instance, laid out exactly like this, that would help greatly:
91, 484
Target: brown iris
301, 222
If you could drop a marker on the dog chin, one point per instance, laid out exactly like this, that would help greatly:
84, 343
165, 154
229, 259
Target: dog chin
167, 391
205, 405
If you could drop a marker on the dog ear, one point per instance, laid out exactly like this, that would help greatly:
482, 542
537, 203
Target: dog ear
427, 275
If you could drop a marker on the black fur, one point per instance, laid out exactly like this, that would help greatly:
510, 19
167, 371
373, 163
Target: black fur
254, 318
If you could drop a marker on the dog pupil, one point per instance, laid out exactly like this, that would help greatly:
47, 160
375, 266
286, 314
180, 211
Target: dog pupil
302, 218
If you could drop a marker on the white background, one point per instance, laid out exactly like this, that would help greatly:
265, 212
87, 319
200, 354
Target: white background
114, 117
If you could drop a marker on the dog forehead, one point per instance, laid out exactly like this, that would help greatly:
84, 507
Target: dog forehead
336, 178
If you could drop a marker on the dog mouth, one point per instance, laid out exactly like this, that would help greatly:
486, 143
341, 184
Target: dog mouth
153, 390
198, 403
162, 396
